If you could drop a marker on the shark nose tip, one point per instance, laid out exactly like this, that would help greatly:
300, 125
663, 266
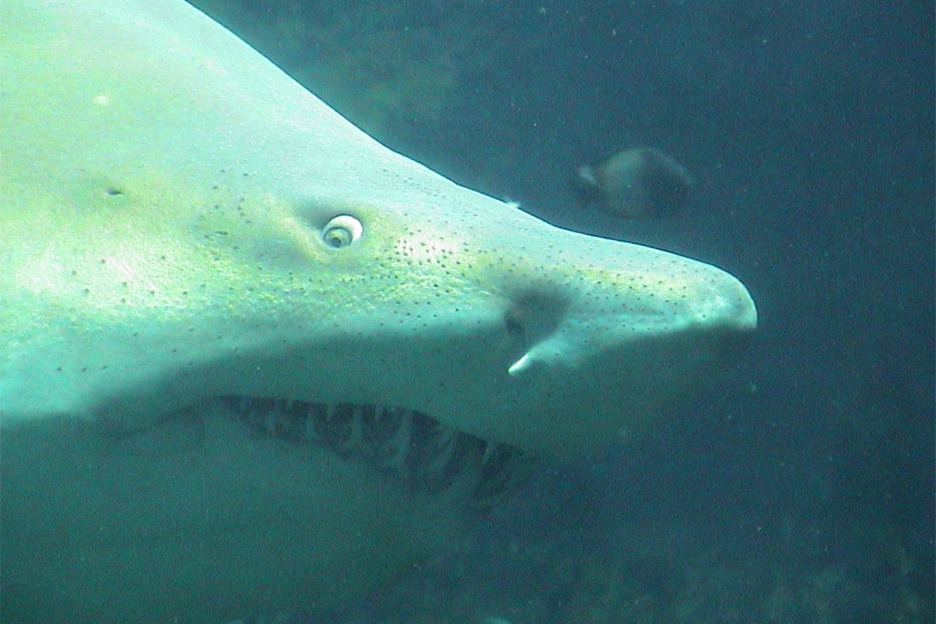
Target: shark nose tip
728, 306
735, 308
745, 311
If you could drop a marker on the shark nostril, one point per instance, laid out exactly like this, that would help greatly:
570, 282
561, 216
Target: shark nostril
535, 315
516, 335
514, 326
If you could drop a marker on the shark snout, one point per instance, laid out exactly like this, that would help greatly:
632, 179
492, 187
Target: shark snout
728, 307
579, 313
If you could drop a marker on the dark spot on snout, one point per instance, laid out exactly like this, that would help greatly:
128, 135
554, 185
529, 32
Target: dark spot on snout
514, 326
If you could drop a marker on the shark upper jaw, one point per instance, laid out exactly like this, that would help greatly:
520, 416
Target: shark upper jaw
520, 358
565, 342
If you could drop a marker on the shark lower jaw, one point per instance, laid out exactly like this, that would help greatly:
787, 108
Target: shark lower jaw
238, 503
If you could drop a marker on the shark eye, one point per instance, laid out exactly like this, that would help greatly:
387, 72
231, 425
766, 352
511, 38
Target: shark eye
341, 231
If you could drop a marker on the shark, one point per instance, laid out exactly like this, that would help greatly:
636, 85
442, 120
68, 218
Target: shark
252, 360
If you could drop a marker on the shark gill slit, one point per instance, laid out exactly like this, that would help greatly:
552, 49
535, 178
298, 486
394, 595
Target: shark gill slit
416, 449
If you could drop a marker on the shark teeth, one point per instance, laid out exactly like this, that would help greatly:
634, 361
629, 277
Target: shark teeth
422, 452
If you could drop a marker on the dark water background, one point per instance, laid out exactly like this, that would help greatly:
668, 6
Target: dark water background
799, 489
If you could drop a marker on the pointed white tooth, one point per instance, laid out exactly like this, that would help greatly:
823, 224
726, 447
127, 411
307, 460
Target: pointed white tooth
490, 450
375, 414
309, 432
400, 441
445, 450
355, 441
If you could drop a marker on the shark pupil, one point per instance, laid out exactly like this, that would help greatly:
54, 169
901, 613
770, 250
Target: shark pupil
338, 238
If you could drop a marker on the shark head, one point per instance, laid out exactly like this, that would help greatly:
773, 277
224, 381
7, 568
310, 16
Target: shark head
207, 227
183, 221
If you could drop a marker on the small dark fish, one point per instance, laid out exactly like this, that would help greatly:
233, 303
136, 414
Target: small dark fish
638, 183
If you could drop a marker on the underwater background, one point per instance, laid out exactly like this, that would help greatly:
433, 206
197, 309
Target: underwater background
801, 487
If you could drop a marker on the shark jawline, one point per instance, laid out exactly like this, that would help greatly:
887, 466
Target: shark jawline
424, 454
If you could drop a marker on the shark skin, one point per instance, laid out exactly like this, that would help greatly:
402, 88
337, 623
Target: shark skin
182, 221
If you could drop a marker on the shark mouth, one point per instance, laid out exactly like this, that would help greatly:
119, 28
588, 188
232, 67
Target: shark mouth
424, 454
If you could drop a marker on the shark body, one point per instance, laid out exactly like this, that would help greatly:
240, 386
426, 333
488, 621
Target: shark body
181, 221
